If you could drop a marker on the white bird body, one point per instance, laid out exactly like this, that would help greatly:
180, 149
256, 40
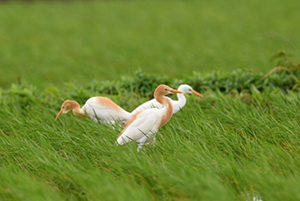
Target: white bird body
99, 109
143, 125
105, 110
141, 130
177, 104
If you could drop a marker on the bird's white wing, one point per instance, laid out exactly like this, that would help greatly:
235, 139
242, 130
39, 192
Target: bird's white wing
101, 112
147, 105
104, 112
145, 124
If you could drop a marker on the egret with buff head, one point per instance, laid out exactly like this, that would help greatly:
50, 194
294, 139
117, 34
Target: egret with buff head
99, 109
143, 125
177, 104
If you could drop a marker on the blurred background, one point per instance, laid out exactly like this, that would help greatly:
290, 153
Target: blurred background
49, 43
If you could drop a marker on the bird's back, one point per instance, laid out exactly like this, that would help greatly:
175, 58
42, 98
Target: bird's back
104, 109
147, 105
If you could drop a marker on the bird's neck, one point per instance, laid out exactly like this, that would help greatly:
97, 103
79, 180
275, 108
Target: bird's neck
76, 109
167, 110
181, 100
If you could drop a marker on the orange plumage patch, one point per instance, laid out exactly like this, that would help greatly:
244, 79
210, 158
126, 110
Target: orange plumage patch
109, 103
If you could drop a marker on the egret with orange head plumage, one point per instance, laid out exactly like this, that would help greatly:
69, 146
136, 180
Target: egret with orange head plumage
144, 124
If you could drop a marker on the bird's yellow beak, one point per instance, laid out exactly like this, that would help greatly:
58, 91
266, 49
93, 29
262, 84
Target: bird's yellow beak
197, 93
58, 115
176, 91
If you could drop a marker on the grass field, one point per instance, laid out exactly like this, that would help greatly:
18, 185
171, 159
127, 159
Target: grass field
216, 148
53, 42
240, 145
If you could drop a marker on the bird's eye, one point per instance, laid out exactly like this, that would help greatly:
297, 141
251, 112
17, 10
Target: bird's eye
166, 89
190, 89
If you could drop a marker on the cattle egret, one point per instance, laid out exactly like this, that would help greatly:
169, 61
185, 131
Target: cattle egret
177, 105
98, 109
144, 124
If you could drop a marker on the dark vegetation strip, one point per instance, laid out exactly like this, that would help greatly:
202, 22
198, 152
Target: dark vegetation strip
285, 77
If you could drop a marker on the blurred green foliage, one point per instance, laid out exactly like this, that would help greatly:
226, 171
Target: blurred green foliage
51, 43
143, 85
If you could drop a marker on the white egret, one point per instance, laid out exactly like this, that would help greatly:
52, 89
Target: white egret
98, 109
144, 124
177, 104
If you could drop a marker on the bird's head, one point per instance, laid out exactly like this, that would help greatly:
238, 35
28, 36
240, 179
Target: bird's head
187, 89
66, 107
165, 90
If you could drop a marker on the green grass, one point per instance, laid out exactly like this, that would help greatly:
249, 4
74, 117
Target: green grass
222, 147
54, 42
218, 148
